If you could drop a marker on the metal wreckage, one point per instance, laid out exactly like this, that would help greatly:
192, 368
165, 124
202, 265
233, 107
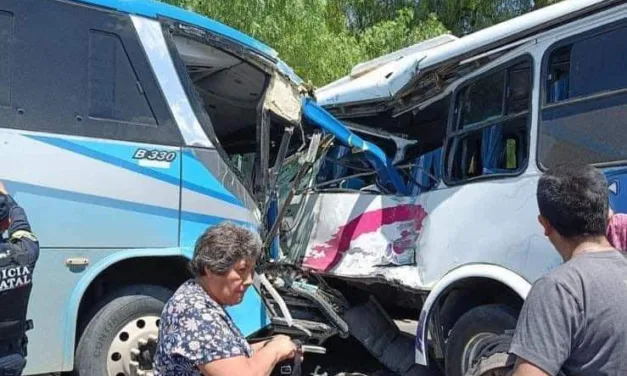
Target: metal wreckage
403, 191
442, 229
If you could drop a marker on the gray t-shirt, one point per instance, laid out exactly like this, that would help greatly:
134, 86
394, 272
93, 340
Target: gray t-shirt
576, 317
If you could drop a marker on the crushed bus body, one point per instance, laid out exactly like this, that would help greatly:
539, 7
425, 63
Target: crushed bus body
469, 124
405, 190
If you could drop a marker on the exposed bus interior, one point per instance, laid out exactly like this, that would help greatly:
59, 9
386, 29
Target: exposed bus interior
489, 125
436, 137
413, 141
478, 129
488, 121
232, 90
418, 123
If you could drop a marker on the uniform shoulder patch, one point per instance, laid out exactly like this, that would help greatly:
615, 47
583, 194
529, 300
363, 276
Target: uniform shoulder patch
23, 234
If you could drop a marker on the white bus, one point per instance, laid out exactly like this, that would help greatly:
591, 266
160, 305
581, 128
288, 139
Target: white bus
470, 123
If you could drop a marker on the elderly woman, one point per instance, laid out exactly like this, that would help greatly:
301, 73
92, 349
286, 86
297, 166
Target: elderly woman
196, 335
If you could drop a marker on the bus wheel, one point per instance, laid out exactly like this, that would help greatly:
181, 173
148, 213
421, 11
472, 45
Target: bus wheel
121, 338
471, 330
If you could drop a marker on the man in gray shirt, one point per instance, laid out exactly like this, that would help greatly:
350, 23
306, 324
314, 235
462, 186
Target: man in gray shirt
575, 318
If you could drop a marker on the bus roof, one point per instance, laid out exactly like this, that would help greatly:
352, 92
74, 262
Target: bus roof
397, 72
154, 9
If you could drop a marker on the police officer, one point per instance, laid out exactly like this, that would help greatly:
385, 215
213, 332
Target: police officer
18, 254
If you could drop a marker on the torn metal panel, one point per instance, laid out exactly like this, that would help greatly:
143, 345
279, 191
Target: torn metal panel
378, 85
426, 45
362, 235
283, 99
361, 223
388, 174
308, 160
413, 241
402, 143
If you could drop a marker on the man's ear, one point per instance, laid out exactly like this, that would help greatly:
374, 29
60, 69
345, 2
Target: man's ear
546, 225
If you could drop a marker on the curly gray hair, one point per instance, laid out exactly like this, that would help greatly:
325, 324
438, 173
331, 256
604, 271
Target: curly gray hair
221, 246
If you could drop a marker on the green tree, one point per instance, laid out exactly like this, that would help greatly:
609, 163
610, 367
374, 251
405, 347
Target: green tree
363, 14
543, 3
310, 35
323, 39
467, 16
460, 16
388, 36
314, 36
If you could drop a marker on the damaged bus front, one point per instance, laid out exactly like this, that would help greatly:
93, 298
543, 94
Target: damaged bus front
160, 123
442, 229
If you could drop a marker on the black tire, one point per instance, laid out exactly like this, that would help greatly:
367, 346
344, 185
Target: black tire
117, 310
492, 319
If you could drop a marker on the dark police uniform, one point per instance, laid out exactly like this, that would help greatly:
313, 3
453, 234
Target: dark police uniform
18, 255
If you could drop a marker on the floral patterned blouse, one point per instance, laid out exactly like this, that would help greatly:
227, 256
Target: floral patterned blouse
195, 330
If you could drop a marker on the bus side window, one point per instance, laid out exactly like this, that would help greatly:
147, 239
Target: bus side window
114, 91
490, 125
583, 115
79, 71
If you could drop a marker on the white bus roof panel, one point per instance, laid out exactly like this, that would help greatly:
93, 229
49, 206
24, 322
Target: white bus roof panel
383, 82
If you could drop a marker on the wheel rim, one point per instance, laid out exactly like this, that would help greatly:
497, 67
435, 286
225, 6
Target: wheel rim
133, 348
472, 350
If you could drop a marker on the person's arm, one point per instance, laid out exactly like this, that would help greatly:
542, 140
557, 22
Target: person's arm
524, 368
617, 230
547, 328
19, 230
262, 363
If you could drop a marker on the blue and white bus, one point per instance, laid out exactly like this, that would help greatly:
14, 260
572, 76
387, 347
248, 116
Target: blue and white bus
127, 128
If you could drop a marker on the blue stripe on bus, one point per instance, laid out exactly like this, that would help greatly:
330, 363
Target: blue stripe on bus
115, 203
118, 162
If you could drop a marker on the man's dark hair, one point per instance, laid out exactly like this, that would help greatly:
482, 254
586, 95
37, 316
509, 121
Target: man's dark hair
574, 199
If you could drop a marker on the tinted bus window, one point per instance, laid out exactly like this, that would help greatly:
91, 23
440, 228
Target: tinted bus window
80, 71
115, 92
491, 125
585, 105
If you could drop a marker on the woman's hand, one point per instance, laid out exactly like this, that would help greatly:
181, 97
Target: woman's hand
283, 347
262, 363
